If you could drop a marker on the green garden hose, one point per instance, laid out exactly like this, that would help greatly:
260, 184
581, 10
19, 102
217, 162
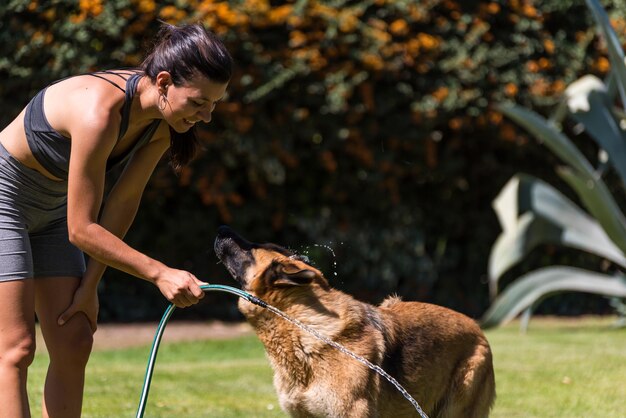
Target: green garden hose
253, 299
159, 333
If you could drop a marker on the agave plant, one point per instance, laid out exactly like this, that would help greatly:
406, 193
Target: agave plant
532, 212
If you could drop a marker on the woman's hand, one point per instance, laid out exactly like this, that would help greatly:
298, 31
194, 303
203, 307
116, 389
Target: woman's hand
85, 301
180, 287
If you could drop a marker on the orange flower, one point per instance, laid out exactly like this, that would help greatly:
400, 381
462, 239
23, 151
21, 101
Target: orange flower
257, 6
171, 13
372, 61
440, 94
493, 8
78, 18
91, 7
532, 66
146, 6
348, 22
399, 27
603, 65
279, 15
50, 15
428, 42
548, 45
539, 87
507, 132
558, 86
455, 124
494, 117
297, 39
510, 89
529, 11
544, 63
227, 15
316, 60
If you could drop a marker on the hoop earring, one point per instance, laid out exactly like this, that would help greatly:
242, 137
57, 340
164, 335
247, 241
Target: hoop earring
162, 101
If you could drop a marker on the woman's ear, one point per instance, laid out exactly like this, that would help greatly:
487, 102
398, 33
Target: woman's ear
163, 81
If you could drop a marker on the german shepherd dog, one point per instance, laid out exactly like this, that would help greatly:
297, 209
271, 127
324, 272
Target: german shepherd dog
439, 356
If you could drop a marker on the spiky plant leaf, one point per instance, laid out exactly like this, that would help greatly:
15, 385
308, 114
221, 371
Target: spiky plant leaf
600, 203
589, 103
614, 46
546, 132
530, 289
531, 213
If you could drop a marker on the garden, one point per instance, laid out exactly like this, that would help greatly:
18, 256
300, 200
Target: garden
470, 154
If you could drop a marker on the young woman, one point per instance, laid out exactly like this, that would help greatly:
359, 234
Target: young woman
53, 161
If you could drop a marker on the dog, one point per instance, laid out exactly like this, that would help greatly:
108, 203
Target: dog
439, 356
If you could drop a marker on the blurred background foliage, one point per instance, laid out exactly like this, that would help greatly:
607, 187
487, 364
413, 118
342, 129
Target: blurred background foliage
369, 127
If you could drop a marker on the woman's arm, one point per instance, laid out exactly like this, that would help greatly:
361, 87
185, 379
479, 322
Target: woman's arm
117, 215
92, 143
122, 203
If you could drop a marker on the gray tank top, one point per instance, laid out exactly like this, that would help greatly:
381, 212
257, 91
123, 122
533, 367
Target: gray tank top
52, 150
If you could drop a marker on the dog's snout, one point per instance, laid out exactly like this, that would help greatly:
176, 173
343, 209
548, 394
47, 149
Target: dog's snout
234, 252
227, 237
224, 231
224, 242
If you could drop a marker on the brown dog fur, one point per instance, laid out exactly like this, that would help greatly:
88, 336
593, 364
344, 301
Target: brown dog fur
439, 356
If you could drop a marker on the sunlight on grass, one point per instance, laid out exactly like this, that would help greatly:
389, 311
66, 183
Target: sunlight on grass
561, 368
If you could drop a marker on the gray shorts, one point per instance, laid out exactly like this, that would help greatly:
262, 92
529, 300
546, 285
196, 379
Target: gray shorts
33, 225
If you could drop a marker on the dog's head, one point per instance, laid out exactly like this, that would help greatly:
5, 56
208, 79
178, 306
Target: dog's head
262, 268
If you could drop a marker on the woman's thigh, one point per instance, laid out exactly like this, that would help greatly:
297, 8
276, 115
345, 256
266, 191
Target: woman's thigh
53, 295
17, 315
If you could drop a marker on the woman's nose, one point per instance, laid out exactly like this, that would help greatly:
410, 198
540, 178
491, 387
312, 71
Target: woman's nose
205, 115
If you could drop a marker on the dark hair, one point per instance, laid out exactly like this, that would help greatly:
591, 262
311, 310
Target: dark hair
184, 51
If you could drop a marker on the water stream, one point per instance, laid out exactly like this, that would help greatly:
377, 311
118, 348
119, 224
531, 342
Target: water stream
344, 350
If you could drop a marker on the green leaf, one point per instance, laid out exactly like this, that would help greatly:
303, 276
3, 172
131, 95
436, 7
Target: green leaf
513, 245
583, 179
600, 203
614, 46
546, 132
531, 212
532, 288
589, 103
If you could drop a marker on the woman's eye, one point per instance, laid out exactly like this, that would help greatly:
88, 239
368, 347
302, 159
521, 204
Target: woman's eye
197, 104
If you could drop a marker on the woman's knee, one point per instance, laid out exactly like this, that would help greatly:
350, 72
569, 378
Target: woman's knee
17, 352
74, 346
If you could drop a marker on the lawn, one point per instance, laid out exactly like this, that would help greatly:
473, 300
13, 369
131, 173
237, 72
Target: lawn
560, 368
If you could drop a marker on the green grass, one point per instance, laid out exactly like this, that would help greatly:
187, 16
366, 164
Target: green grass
564, 369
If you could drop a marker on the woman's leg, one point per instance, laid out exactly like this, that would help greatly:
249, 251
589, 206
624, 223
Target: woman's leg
17, 345
69, 346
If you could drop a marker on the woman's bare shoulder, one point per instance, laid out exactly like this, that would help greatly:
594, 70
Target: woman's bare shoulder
83, 100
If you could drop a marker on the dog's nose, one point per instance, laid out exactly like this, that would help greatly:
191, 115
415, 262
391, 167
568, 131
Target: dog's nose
224, 231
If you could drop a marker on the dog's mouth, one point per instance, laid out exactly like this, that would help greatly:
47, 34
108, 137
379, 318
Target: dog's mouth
234, 252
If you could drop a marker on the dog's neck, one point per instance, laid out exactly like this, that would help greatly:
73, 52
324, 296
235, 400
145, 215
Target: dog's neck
291, 348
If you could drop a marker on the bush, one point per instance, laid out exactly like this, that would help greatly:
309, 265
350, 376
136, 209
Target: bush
367, 126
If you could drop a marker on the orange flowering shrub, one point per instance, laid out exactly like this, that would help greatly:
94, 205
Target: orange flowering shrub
370, 124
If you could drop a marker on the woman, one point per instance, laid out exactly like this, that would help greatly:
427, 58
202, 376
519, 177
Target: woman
53, 161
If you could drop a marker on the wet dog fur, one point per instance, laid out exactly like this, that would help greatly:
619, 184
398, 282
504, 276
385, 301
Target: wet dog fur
439, 356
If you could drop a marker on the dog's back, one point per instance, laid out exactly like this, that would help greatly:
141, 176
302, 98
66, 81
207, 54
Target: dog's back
440, 356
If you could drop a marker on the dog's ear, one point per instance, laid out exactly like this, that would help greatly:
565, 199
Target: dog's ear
293, 275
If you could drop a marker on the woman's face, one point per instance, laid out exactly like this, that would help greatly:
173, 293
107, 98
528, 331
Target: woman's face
191, 102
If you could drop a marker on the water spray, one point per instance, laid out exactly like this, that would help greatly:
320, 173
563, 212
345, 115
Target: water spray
253, 299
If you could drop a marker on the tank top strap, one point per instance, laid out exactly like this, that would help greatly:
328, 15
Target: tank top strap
131, 88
